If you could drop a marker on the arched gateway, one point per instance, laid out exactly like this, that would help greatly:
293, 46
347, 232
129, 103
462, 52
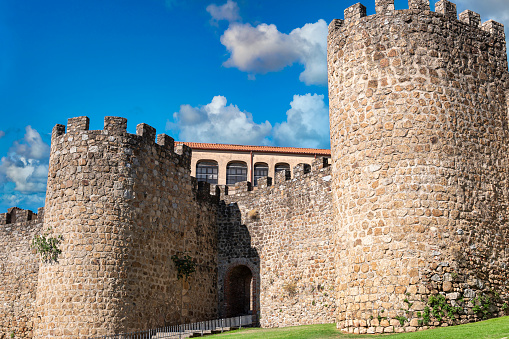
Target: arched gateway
239, 291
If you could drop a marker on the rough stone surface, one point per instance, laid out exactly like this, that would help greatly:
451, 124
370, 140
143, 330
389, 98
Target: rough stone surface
420, 96
286, 244
414, 205
124, 205
19, 266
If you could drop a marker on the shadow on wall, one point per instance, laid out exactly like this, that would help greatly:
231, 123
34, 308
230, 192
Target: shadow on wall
239, 265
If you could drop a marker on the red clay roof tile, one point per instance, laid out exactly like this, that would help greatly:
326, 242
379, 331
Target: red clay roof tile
247, 148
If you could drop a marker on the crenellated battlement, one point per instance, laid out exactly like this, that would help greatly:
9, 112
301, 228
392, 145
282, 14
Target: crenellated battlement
17, 215
117, 127
445, 8
114, 126
205, 192
300, 171
79, 138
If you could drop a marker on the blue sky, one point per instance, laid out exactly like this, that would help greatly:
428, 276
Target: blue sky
245, 71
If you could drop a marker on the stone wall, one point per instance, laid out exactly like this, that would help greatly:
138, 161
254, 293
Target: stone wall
124, 205
419, 137
19, 266
281, 232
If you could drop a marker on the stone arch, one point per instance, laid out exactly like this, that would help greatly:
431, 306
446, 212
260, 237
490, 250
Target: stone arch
238, 291
239, 286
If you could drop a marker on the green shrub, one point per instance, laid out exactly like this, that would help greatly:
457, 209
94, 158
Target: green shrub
47, 247
185, 265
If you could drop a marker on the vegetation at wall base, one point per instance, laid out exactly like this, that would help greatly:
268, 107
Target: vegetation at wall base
496, 328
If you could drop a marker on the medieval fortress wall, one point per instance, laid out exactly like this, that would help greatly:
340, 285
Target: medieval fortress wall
283, 230
19, 266
414, 204
419, 138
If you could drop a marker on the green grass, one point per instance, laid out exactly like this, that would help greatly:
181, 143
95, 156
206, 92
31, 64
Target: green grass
497, 328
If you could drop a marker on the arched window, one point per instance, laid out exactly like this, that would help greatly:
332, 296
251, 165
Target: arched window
261, 170
281, 167
207, 171
236, 172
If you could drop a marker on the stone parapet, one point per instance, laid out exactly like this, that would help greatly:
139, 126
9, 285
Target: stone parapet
19, 267
282, 234
17, 215
300, 170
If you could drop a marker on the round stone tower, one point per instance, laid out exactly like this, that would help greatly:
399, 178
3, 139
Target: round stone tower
86, 203
419, 137
123, 205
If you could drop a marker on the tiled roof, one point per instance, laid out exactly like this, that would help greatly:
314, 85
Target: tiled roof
245, 148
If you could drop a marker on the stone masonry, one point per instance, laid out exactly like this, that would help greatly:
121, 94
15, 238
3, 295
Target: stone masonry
123, 204
283, 230
413, 207
19, 266
419, 137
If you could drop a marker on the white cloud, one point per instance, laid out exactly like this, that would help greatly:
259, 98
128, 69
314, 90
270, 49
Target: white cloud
32, 146
229, 12
259, 49
216, 122
307, 123
497, 10
26, 164
263, 49
2, 134
11, 199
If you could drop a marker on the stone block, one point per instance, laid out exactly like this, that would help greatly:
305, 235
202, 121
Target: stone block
58, 130
385, 7
282, 176
335, 24
166, 141
115, 125
419, 5
447, 286
470, 18
301, 169
319, 163
243, 186
146, 132
446, 8
264, 182
355, 12
494, 28
77, 124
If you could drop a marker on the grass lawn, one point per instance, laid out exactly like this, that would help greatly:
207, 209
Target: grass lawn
493, 329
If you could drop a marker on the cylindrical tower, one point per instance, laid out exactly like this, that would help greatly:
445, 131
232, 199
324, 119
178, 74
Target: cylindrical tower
89, 175
419, 138
123, 205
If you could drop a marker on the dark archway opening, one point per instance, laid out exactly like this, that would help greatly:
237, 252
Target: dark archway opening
238, 291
